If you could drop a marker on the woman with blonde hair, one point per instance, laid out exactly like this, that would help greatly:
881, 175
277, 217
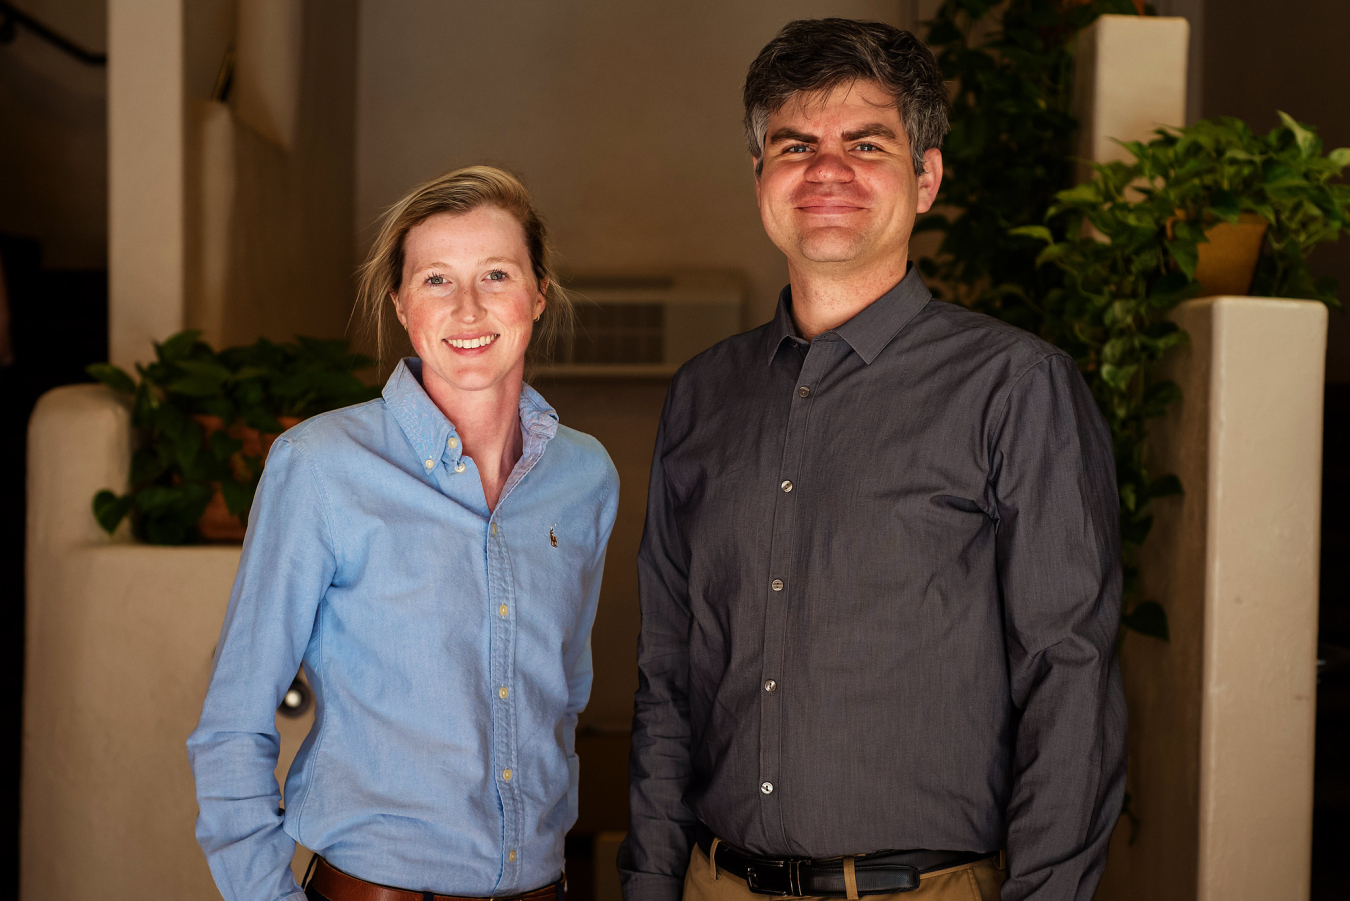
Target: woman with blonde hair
433, 559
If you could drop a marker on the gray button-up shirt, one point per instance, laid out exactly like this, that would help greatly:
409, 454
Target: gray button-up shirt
880, 584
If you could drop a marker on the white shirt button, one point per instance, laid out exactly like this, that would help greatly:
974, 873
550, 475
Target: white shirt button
766, 787
770, 685
459, 467
430, 463
776, 584
503, 610
511, 857
453, 442
506, 774
502, 692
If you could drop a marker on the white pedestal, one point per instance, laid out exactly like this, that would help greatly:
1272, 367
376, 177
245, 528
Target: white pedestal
1222, 716
1130, 78
119, 644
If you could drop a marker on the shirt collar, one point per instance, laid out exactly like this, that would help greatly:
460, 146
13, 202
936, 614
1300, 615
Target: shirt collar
429, 431
871, 329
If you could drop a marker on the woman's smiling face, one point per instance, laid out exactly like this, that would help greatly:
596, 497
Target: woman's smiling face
468, 299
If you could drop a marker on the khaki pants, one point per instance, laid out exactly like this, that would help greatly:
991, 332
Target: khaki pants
979, 881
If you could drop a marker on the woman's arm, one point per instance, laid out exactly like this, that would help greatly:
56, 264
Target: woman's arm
288, 562
577, 656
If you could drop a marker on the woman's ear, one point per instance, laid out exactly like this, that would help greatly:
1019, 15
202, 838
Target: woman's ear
398, 309
540, 299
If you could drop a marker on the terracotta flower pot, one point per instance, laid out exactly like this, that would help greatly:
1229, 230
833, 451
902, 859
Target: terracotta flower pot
1228, 259
218, 523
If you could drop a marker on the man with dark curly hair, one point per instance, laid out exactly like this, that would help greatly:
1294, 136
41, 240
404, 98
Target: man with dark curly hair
880, 577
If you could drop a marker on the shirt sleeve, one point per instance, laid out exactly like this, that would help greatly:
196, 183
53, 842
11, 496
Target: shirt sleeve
654, 856
577, 657
288, 562
1058, 550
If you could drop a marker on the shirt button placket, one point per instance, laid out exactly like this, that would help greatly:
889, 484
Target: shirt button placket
502, 711
782, 566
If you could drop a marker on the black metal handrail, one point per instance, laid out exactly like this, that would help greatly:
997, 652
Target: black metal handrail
11, 18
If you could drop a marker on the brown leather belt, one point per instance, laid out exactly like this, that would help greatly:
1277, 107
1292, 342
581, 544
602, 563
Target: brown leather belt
336, 885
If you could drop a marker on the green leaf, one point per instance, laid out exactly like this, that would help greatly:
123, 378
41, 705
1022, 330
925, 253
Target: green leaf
1304, 138
1086, 193
238, 496
178, 347
110, 510
1039, 232
1118, 377
1186, 257
196, 386
1225, 204
1165, 486
1339, 158
1148, 618
1159, 396
112, 376
1052, 252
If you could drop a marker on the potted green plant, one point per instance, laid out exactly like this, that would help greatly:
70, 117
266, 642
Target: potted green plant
206, 420
1128, 246
1244, 187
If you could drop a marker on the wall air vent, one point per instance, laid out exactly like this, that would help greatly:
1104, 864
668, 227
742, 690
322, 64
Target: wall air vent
646, 325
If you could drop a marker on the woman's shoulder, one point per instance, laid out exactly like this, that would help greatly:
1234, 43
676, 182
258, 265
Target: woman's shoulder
354, 426
584, 455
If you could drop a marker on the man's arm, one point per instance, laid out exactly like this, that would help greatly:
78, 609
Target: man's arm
653, 858
1060, 574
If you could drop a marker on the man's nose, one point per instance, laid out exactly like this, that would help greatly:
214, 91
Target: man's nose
830, 165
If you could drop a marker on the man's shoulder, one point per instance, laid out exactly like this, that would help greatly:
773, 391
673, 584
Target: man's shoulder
982, 337
726, 358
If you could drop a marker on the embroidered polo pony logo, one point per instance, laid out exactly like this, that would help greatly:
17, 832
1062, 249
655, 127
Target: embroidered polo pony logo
552, 537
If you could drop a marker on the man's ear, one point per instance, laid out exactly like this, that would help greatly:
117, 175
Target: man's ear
930, 180
757, 164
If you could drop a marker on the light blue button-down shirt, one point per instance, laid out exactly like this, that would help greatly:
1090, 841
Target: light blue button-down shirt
447, 646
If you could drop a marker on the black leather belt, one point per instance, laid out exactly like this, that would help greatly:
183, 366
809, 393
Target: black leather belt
879, 873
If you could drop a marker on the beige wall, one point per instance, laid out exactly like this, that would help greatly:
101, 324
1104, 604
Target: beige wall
54, 150
291, 261
280, 234
624, 118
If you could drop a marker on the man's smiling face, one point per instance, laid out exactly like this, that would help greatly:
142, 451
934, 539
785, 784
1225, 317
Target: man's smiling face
837, 183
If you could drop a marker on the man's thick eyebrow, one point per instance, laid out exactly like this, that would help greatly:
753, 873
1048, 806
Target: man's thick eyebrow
792, 134
875, 130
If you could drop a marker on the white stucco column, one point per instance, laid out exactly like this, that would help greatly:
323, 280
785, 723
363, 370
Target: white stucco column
1130, 77
146, 247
